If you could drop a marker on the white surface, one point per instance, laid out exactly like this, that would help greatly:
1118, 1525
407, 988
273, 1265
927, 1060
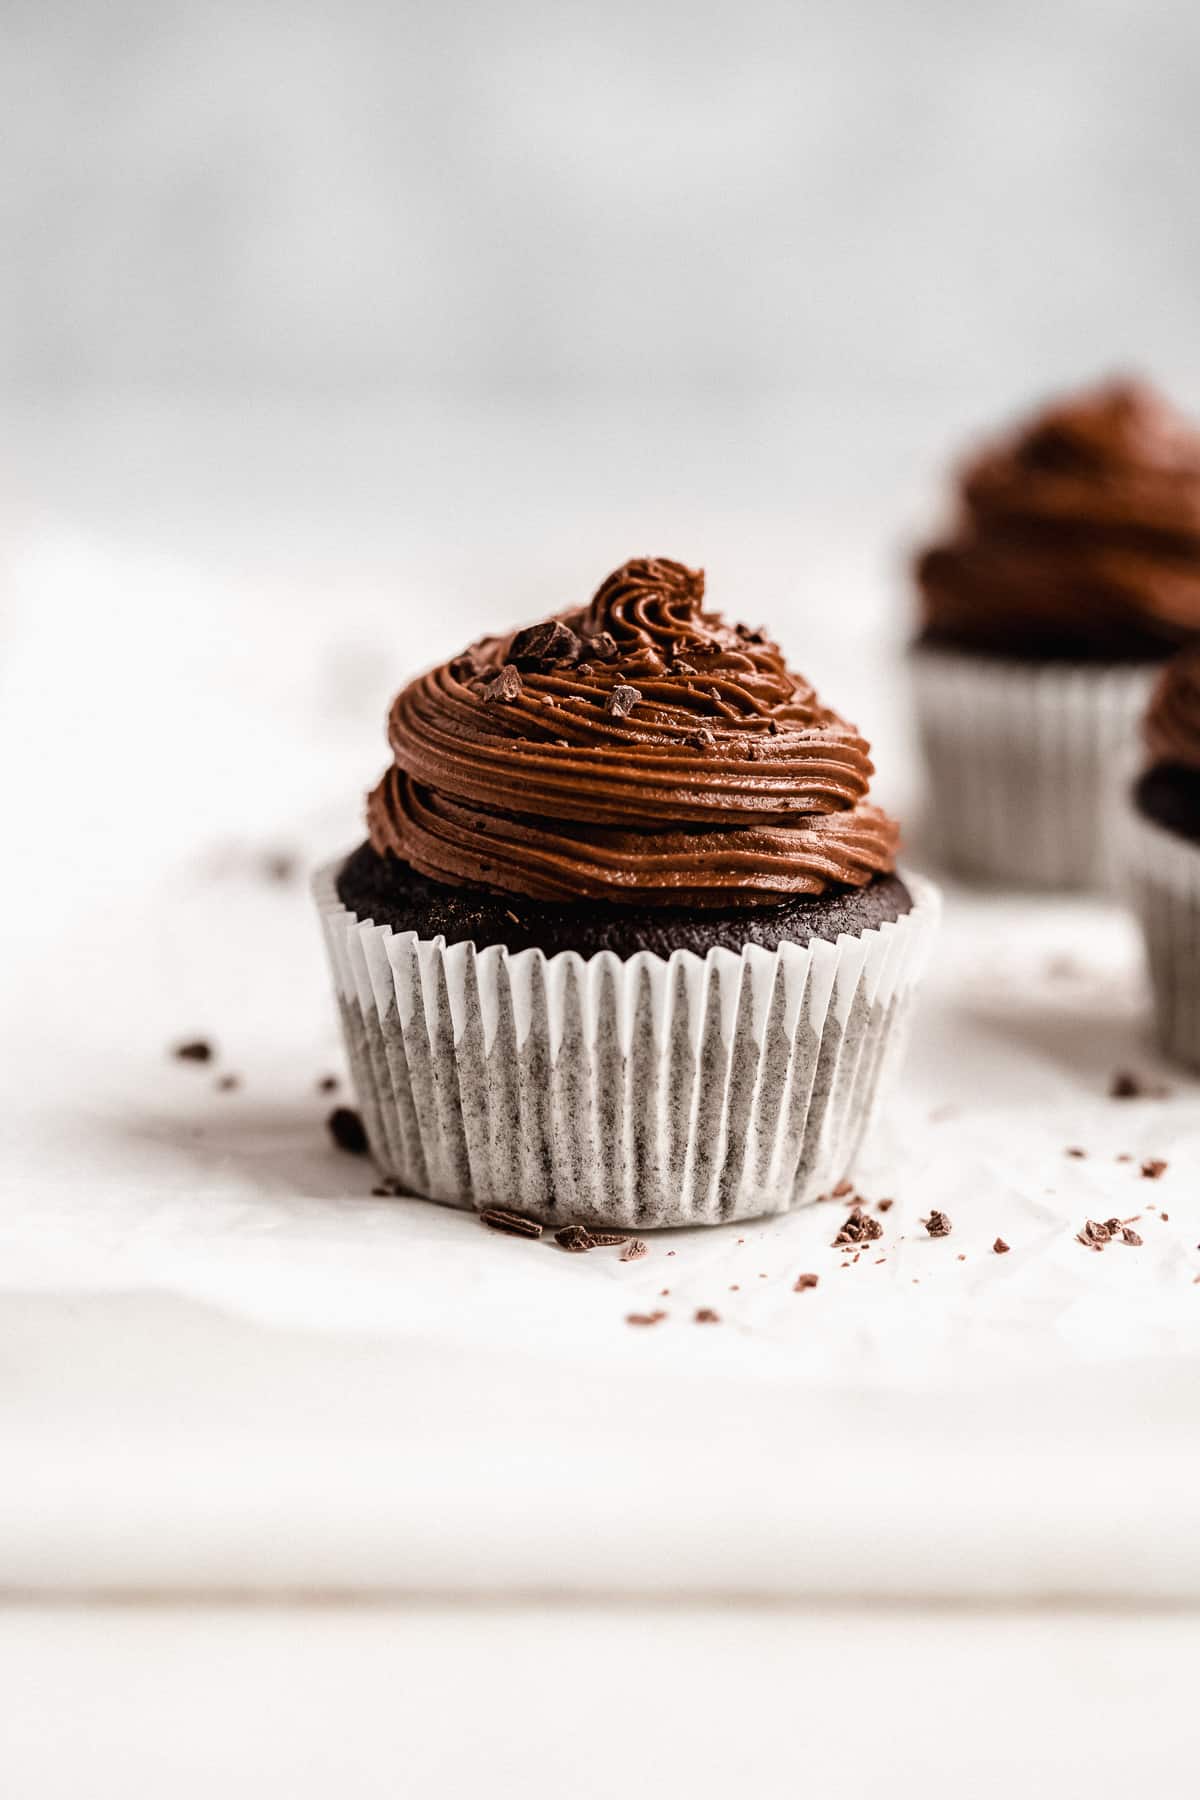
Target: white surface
594, 1703
227, 1367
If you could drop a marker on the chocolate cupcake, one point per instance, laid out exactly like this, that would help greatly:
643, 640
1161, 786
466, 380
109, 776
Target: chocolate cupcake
626, 943
1074, 572
1161, 853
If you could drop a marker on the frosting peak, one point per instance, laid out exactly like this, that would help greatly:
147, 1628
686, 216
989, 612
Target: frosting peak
638, 748
1079, 536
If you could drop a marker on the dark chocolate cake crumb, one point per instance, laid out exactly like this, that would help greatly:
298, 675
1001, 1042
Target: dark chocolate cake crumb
1000, 1247
650, 1318
804, 1282
937, 1224
856, 1228
575, 1238
634, 1250
347, 1130
506, 686
1153, 1167
197, 1050
513, 1224
704, 1315
540, 646
622, 700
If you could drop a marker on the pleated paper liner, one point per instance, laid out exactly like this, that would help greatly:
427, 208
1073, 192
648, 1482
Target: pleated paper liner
636, 1092
1161, 880
1022, 764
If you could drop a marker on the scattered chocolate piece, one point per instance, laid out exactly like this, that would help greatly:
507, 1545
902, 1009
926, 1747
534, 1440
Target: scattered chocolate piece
704, 1315
1129, 1235
622, 700
193, 1050
1153, 1167
506, 686
550, 642
1076, 1151
1124, 1156
884, 1205
804, 1282
703, 739
603, 646
1001, 1248
347, 1130
575, 1238
328, 1084
1128, 1086
634, 1250
650, 1318
227, 1083
937, 1224
841, 1190
856, 1228
515, 1224
1094, 1236
607, 1240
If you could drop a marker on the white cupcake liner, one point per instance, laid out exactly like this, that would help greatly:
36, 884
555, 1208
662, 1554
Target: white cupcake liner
637, 1092
1023, 763
1161, 879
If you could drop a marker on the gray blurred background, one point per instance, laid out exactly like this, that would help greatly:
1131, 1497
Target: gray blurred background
451, 307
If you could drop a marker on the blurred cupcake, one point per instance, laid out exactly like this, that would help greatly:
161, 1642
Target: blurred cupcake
626, 943
1073, 573
1161, 850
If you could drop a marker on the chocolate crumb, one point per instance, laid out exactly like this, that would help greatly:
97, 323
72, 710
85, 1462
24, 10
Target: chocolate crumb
197, 1050
347, 1130
1129, 1235
1001, 1248
962, 1256
841, 1190
575, 1238
506, 686
1153, 1167
1126, 1085
704, 1315
328, 1084
884, 1205
937, 1224
622, 700
856, 1228
650, 1318
1094, 1235
735, 1287
608, 1240
227, 1083
1124, 1156
544, 644
804, 1282
634, 1250
1076, 1151
514, 1224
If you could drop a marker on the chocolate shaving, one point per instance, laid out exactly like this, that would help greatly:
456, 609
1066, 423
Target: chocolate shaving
650, 1318
1094, 1236
513, 1224
575, 1238
804, 1282
347, 1130
857, 1228
606, 1240
622, 700
704, 1315
539, 646
937, 1224
1129, 1235
1153, 1167
197, 1050
634, 1250
1001, 1248
506, 686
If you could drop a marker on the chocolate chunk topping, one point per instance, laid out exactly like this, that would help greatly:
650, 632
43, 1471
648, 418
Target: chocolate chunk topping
513, 1224
347, 1130
857, 1228
1000, 1247
602, 645
937, 1224
1129, 1235
194, 1050
1153, 1167
804, 1282
622, 700
539, 646
506, 685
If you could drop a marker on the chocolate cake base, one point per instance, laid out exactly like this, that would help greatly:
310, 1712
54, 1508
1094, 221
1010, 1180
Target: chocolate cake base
1169, 793
386, 890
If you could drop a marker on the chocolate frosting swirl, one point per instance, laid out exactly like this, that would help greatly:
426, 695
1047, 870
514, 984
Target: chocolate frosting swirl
1079, 536
638, 749
1172, 725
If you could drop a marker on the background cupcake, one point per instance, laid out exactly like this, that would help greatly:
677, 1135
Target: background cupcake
1073, 572
626, 943
1162, 854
